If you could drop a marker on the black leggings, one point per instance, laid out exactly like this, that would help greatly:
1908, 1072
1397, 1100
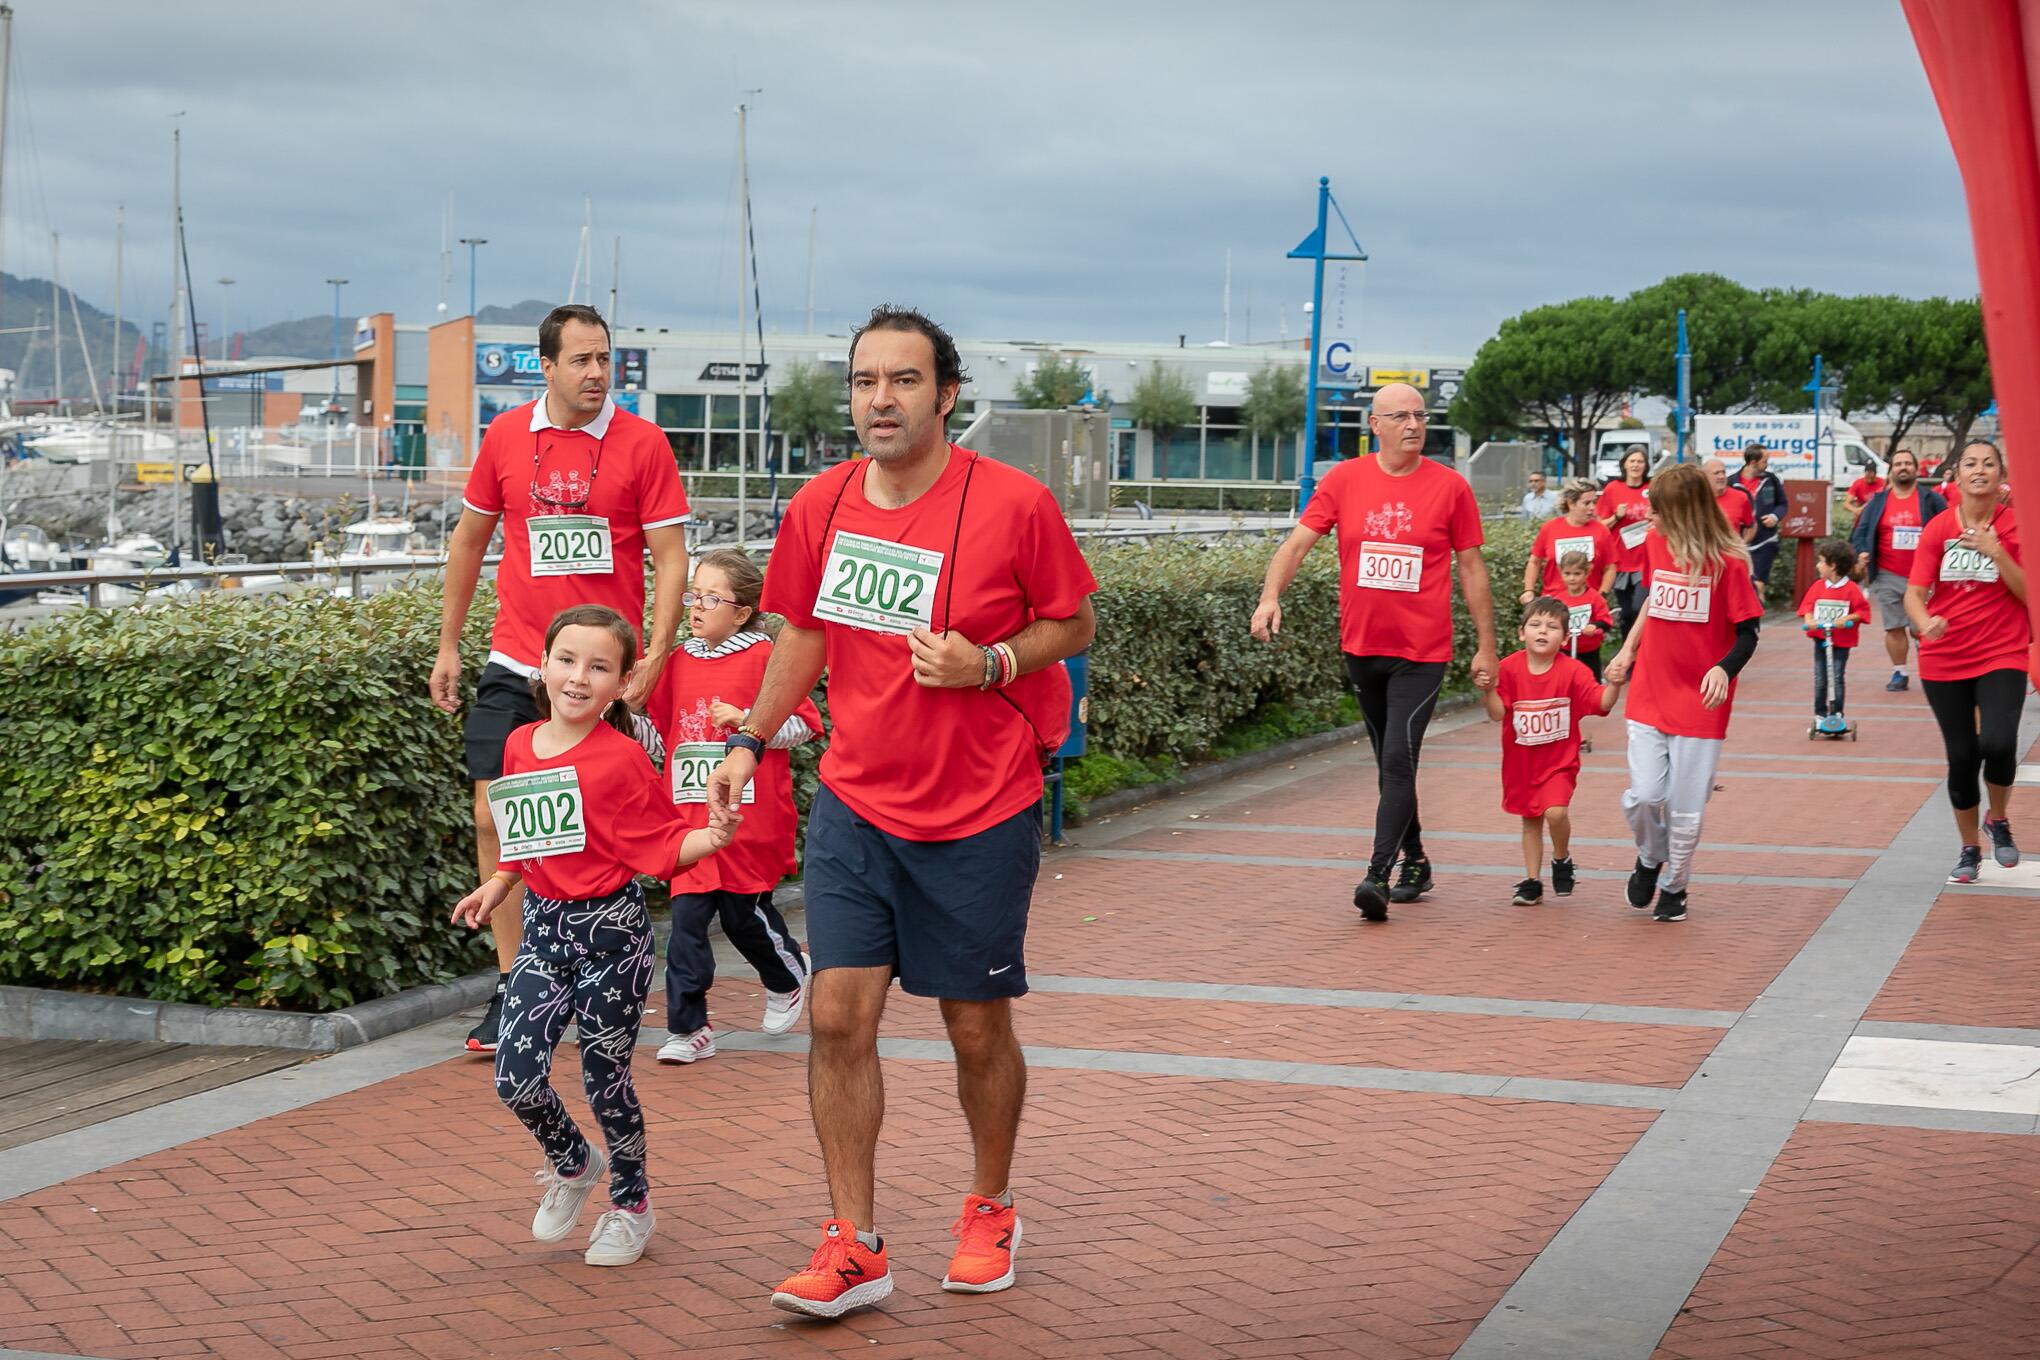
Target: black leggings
1627, 597
1979, 720
1396, 698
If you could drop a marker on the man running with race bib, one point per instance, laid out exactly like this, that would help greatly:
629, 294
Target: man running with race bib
1886, 537
942, 590
583, 490
1403, 522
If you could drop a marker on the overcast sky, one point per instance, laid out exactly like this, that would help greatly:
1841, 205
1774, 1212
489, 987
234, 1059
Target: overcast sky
1042, 170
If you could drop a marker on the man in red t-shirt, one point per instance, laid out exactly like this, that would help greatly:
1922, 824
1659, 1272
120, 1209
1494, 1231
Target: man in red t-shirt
583, 491
1404, 523
1734, 501
1885, 538
942, 591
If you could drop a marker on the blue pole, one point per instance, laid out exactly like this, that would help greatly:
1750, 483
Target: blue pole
1306, 481
471, 278
1684, 414
1818, 396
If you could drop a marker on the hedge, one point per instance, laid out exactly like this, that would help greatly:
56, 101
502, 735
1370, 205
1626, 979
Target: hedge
252, 800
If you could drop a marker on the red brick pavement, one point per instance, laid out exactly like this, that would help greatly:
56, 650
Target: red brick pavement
1970, 964
1228, 923
1874, 1241
1165, 1216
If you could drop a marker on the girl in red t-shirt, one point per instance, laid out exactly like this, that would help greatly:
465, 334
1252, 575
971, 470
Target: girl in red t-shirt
1833, 609
1575, 530
580, 815
1541, 696
1624, 506
1967, 603
1697, 632
704, 694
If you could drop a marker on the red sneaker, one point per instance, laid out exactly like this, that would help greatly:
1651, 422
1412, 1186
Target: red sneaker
988, 1236
843, 1274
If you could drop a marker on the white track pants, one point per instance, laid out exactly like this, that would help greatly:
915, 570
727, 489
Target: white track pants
1669, 780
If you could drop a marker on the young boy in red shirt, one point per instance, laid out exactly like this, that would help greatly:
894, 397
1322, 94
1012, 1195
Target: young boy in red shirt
1833, 609
1541, 696
1588, 621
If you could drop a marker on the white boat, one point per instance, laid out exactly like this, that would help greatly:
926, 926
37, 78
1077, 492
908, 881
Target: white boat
92, 441
378, 539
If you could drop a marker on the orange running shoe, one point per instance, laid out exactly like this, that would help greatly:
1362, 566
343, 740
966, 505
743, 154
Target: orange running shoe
843, 1274
988, 1236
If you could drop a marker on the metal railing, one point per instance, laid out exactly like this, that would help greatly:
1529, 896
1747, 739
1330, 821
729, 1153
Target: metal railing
151, 580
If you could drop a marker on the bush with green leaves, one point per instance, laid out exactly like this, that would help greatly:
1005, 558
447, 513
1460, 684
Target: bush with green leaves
234, 800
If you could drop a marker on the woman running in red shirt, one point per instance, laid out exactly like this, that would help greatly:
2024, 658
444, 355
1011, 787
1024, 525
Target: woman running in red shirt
1624, 506
1697, 632
1574, 531
1967, 602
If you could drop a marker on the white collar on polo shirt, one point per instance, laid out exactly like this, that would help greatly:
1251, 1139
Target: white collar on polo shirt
597, 428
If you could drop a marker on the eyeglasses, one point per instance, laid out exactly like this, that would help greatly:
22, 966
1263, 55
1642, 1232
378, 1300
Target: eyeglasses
690, 599
1400, 417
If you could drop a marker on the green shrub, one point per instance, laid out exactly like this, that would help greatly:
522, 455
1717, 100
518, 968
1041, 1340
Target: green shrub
234, 800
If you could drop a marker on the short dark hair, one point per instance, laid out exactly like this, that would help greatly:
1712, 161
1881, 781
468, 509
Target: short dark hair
1837, 553
886, 317
556, 321
1548, 606
1995, 452
1752, 452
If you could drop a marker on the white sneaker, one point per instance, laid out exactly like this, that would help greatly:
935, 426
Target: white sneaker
782, 1010
620, 1236
559, 1208
687, 1048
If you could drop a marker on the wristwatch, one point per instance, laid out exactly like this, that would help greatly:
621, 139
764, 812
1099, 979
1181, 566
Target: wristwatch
744, 738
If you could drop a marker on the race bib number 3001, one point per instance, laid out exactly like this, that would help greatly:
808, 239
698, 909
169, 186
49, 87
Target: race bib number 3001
692, 763
1390, 566
1680, 598
1966, 564
877, 585
1540, 722
538, 814
569, 545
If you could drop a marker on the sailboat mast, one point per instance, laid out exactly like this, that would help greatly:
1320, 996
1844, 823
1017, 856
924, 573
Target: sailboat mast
119, 248
56, 330
6, 66
743, 318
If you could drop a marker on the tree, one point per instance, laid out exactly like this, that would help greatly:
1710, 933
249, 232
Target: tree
1274, 406
808, 405
1569, 366
1163, 402
1725, 322
1058, 380
1965, 391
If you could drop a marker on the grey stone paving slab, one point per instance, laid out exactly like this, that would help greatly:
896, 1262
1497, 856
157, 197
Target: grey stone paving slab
1960, 1034
1797, 776
1728, 1123
1918, 1117
82, 1151
1416, 1001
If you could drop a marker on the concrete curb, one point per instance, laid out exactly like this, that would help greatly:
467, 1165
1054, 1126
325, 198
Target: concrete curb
1121, 800
43, 1013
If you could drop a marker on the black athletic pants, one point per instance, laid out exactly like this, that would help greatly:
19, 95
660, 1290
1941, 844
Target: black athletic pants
1396, 698
752, 924
1979, 720
1627, 597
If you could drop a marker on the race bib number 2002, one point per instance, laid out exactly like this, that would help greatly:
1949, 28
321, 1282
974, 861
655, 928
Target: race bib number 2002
878, 585
539, 813
1961, 563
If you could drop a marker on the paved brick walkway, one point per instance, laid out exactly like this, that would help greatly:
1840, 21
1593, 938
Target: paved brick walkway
1257, 1126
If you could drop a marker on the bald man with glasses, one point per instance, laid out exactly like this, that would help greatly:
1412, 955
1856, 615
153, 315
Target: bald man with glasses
1404, 524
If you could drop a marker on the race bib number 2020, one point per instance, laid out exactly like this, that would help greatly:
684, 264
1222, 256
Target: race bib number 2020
538, 814
878, 585
692, 763
569, 545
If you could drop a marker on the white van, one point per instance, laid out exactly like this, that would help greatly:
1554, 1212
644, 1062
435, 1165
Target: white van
1614, 445
1840, 458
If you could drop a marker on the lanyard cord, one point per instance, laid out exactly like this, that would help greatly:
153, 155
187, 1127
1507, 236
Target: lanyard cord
594, 469
955, 538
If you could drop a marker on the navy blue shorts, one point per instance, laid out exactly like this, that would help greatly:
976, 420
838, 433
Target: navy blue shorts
948, 917
503, 703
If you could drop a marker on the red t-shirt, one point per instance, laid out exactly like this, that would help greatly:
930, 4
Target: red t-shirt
1736, 504
1987, 625
1898, 533
1631, 507
1396, 540
1691, 619
762, 852
1560, 536
1541, 716
1591, 627
628, 824
1855, 606
1863, 488
986, 552
621, 467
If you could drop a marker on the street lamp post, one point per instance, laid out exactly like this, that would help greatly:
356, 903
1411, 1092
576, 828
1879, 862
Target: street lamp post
1312, 248
471, 242
226, 318
337, 285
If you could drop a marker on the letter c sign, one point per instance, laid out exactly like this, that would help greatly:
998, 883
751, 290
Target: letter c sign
1338, 357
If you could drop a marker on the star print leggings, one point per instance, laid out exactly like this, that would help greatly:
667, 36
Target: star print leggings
590, 962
